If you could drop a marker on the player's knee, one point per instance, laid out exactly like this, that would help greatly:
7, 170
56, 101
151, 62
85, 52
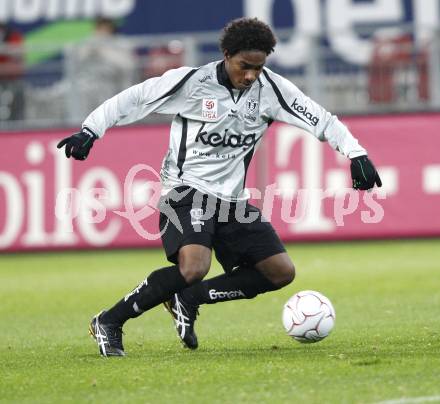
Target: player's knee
278, 269
290, 273
194, 264
193, 272
285, 275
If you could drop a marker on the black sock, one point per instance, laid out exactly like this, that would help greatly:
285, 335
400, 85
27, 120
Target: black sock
157, 288
242, 283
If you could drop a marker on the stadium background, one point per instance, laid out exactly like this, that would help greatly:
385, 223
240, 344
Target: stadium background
376, 63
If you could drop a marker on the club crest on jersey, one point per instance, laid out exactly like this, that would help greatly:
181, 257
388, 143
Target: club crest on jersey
209, 108
251, 105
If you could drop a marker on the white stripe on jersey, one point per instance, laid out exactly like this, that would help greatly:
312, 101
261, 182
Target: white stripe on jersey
215, 131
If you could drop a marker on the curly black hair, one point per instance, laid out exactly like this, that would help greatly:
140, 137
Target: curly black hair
245, 34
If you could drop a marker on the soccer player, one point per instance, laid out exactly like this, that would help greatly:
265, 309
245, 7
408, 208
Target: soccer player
221, 112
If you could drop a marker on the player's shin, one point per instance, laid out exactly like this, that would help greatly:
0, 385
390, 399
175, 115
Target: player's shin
242, 283
158, 287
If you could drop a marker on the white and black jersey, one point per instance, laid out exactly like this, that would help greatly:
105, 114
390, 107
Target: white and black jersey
216, 128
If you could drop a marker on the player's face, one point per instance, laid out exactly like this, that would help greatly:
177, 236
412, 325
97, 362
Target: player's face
244, 67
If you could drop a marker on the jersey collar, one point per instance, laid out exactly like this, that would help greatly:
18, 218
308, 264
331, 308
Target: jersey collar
224, 80
223, 77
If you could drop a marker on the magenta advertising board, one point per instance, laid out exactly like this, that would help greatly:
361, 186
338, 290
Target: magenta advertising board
404, 148
50, 202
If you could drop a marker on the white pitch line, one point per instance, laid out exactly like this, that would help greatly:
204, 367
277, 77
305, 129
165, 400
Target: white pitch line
412, 400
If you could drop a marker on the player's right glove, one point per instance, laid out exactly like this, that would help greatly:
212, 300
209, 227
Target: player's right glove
79, 144
364, 173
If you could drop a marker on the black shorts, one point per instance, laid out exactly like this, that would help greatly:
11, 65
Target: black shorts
235, 231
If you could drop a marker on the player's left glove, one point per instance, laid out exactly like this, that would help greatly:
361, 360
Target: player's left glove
364, 173
79, 144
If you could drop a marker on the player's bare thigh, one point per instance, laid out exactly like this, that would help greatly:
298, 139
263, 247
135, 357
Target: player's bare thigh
278, 268
194, 262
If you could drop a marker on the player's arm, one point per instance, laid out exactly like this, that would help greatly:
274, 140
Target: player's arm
159, 94
290, 105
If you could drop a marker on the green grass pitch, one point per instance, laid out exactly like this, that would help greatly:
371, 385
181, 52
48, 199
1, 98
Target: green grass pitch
385, 346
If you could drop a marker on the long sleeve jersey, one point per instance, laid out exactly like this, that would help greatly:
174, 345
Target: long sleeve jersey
216, 129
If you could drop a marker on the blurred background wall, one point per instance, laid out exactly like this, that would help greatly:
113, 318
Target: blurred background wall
370, 58
353, 56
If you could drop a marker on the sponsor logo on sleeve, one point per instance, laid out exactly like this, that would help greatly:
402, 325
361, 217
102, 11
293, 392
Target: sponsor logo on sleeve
205, 78
313, 119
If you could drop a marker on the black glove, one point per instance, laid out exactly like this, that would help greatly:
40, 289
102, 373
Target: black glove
364, 173
79, 144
